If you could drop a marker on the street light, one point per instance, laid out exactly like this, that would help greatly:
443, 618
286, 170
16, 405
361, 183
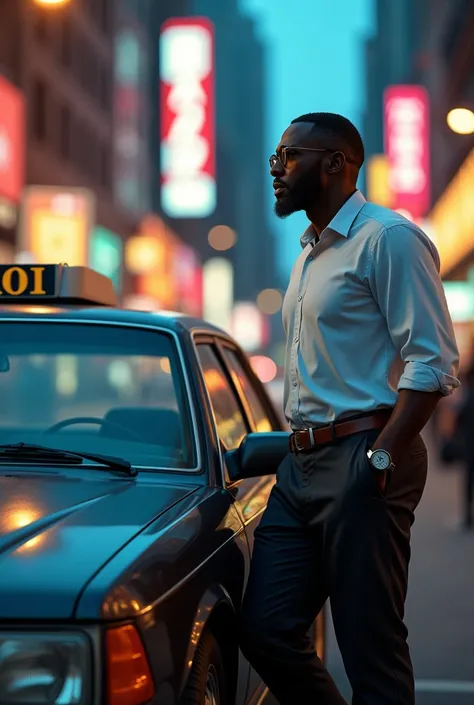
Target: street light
461, 121
51, 2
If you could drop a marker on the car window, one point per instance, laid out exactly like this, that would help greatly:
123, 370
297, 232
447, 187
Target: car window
128, 381
261, 419
231, 425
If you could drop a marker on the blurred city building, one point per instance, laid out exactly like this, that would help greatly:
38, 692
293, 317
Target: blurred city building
423, 50
99, 105
234, 229
62, 60
428, 44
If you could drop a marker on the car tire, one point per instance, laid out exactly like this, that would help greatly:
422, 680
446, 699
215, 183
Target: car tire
206, 682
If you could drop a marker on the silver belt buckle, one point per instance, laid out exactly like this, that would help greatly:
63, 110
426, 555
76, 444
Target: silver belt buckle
299, 448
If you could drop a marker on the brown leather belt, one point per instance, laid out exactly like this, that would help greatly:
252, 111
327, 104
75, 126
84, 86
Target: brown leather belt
308, 438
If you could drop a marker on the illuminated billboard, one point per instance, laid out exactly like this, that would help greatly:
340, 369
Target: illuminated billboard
56, 224
12, 141
188, 172
407, 146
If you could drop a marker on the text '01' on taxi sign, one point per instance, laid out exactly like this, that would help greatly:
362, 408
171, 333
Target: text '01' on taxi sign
56, 284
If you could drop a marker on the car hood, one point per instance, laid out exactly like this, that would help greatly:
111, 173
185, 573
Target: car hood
58, 529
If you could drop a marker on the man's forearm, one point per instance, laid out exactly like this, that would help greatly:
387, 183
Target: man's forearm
411, 413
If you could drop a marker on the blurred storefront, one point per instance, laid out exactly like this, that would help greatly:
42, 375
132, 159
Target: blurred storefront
166, 272
55, 224
452, 220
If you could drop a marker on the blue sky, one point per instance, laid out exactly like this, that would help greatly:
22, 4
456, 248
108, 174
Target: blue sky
314, 62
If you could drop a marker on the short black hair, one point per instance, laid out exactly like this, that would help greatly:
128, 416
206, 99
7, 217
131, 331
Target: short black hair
340, 128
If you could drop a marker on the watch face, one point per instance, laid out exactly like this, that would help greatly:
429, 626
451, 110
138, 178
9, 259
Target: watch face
380, 459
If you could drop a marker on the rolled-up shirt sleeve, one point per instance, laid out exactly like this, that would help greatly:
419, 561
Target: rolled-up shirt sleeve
405, 281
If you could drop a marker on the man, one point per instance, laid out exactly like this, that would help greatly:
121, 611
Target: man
370, 351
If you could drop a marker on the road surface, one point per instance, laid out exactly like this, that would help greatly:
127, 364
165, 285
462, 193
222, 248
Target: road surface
440, 604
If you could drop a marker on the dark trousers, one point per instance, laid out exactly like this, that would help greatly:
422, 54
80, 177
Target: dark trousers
328, 532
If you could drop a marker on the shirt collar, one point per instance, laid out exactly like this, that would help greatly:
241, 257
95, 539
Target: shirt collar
342, 221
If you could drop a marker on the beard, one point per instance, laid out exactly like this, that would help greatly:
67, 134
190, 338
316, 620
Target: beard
301, 195
286, 205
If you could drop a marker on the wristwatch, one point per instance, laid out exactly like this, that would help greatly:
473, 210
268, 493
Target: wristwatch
381, 460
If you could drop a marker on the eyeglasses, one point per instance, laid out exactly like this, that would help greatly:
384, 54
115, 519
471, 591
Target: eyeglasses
284, 152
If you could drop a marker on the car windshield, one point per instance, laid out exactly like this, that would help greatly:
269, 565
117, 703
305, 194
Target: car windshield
98, 388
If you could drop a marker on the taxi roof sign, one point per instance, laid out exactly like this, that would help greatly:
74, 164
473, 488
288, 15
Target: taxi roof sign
55, 284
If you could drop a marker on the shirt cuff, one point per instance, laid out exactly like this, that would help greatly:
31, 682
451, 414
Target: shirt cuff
421, 377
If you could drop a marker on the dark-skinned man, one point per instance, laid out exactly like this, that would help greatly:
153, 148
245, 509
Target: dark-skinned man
370, 351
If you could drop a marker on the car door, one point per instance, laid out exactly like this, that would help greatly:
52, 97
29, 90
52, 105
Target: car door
251, 494
263, 418
237, 413
234, 419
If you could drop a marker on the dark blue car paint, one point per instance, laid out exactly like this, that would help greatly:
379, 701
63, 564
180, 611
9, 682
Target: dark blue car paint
168, 551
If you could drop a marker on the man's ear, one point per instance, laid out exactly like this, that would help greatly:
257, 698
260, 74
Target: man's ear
336, 163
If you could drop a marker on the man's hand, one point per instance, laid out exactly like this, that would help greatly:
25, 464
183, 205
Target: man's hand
412, 411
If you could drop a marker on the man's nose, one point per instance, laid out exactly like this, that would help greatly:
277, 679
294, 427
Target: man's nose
277, 169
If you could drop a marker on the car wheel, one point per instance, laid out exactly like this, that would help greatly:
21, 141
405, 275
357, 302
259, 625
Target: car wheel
206, 683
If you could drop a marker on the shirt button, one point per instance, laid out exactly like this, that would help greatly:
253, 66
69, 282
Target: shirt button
300, 298
295, 383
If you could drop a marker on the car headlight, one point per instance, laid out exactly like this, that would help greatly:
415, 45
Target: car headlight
44, 669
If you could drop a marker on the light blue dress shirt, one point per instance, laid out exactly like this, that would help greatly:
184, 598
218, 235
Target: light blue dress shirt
365, 315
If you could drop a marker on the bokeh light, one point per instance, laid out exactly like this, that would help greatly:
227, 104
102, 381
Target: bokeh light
269, 301
51, 2
143, 253
264, 367
461, 120
222, 238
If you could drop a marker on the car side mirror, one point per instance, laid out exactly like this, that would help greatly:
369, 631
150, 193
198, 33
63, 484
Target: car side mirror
259, 454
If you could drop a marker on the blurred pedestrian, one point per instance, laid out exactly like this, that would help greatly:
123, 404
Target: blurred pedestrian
370, 351
465, 430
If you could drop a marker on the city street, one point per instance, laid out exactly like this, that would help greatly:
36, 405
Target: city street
440, 606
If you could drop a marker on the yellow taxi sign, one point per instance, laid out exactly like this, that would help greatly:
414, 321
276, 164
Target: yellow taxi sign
27, 281
55, 283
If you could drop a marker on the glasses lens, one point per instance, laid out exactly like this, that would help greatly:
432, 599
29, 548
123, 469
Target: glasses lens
273, 160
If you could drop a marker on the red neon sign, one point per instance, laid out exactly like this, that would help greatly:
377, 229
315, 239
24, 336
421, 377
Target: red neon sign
407, 145
12, 141
188, 172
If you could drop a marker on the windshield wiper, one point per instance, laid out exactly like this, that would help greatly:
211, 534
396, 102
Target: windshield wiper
29, 451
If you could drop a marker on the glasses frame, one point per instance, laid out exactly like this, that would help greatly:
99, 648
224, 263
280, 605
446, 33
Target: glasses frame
282, 157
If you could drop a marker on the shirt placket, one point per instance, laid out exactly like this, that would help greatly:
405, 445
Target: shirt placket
294, 377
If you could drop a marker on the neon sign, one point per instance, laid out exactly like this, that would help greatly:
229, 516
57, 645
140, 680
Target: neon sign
406, 110
188, 175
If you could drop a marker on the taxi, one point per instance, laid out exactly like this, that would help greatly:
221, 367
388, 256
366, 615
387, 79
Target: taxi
132, 447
